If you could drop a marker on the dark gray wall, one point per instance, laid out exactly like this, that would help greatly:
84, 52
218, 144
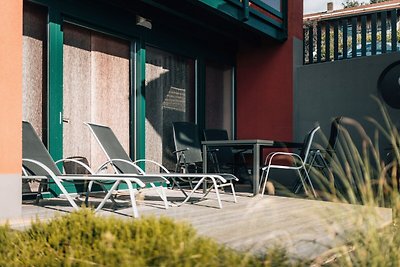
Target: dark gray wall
340, 88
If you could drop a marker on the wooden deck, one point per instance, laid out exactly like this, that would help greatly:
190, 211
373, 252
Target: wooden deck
306, 228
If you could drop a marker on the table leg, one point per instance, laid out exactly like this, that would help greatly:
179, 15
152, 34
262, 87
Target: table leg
204, 159
256, 168
205, 166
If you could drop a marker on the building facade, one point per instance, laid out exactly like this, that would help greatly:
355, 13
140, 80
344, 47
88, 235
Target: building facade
137, 66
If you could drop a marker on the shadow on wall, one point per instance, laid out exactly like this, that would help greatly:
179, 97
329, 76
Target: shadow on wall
169, 93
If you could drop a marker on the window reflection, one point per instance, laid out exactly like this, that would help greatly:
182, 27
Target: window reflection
170, 97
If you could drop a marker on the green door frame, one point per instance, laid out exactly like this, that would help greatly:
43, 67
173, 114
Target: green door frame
140, 115
55, 81
55, 92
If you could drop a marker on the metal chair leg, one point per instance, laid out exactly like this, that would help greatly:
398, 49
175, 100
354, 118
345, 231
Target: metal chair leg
265, 182
309, 180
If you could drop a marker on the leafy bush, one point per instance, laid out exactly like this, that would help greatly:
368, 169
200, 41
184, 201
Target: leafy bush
83, 239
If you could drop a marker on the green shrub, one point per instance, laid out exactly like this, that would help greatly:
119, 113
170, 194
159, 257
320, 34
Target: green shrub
83, 239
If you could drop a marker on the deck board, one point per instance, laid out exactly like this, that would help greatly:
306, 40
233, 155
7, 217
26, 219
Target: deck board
306, 228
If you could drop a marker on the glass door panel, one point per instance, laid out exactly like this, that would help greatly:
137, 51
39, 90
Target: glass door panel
34, 73
96, 89
219, 97
34, 83
170, 97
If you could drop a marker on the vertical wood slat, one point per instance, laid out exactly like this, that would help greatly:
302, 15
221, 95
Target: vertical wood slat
336, 39
319, 40
310, 44
344, 25
354, 36
327, 42
373, 33
393, 24
383, 31
363, 35
304, 45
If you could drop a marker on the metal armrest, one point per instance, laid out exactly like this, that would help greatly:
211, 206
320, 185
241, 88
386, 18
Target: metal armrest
112, 161
180, 150
272, 155
153, 162
77, 162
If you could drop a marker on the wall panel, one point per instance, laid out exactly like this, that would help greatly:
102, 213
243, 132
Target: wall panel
96, 89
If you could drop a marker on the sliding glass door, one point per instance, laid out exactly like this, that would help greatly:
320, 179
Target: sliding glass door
96, 88
170, 97
219, 101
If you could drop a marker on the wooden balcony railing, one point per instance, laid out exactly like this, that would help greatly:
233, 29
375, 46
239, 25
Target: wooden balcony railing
351, 36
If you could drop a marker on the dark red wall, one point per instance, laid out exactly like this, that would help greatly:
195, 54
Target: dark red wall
265, 83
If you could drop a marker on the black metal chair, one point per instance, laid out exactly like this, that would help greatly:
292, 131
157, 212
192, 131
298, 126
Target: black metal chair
322, 158
188, 152
227, 159
187, 147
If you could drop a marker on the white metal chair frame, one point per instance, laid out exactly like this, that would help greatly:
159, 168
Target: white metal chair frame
129, 180
299, 164
217, 180
37, 164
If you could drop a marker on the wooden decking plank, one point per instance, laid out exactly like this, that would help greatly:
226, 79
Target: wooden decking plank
305, 227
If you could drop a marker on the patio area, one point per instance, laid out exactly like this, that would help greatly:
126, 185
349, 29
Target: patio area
306, 228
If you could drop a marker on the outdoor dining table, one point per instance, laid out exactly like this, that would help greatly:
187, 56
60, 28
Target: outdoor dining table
255, 145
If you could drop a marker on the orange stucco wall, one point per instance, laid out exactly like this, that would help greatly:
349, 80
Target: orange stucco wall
265, 84
10, 85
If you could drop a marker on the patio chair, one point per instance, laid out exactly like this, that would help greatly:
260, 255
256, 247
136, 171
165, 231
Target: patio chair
189, 154
122, 163
37, 164
299, 163
187, 147
226, 158
322, 158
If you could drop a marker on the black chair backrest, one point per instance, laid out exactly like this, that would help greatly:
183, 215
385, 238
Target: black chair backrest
305, 151
34, 149
71, 167
187, 137
334, 135
224, 154
113, 149
215, 134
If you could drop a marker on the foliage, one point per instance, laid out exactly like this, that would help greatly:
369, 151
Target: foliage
83, 239
378, 1
365, 176
355, 3
350, 3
